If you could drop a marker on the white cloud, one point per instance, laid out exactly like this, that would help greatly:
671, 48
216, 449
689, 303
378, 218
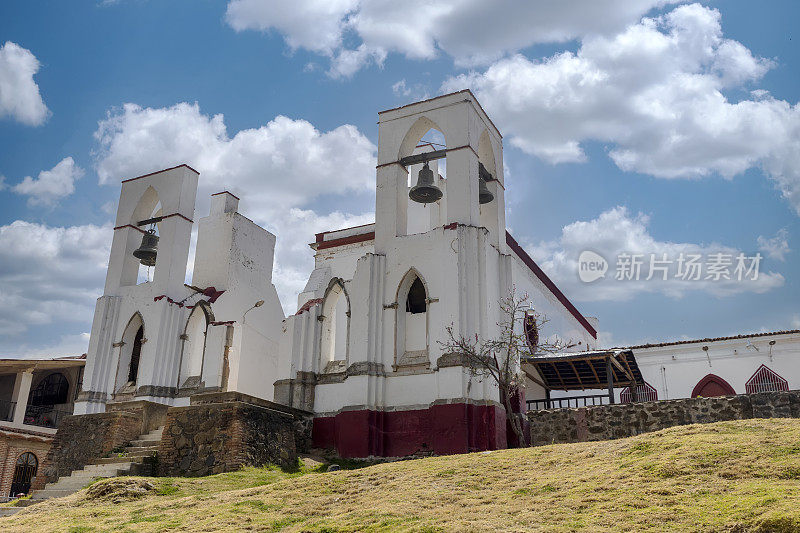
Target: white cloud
655, 94
51, 185
471, 31
19, 94
277, 170
66, 345
795, 322
775, 247
311, 24
617, 232
49, 275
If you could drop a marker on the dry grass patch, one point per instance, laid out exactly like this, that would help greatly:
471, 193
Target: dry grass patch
729, 476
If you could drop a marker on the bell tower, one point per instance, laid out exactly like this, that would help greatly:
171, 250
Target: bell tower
473, 156
162, 199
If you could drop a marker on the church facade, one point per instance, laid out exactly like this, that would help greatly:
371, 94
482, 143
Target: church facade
364, 352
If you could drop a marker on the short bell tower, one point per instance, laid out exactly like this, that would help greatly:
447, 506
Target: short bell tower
472, 152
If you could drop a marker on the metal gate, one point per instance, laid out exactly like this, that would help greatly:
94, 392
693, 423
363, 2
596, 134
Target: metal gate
23, 474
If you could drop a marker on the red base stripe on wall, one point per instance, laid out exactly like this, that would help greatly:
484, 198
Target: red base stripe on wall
441, 429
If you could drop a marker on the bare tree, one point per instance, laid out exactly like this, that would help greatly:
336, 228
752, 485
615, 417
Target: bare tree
499, 359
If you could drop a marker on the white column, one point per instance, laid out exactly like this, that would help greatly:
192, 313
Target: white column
22, 389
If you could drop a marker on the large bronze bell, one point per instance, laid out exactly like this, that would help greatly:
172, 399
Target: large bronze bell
484, 194
146, 253
425, 191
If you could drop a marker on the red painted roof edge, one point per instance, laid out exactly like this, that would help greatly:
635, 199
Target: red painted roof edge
163, 170
321, 236
531, 264
352, 239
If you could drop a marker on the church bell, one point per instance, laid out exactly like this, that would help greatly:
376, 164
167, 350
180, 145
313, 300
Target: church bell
146, 253
484, 194
425, 191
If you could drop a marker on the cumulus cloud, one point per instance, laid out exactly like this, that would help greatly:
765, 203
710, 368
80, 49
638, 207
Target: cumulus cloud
49, 275
471, 31
277, 170
51, 185
655, 94
775, 247
624, 240
19, 94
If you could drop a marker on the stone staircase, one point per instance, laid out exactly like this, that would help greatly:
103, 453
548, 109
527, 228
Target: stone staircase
132, 461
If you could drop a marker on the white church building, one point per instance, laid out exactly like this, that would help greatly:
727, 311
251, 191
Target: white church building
363, 353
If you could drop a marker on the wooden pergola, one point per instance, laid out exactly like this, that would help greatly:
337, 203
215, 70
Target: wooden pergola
592, 370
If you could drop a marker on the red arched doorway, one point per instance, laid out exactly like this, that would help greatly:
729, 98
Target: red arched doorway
712, 385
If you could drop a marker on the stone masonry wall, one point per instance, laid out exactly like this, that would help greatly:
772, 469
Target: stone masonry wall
210, 438
617, 421
82, 438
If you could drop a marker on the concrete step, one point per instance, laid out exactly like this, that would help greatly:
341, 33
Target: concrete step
102, 470
118, 460
8, 511
52, 493
141, 452
143, 442
74, 485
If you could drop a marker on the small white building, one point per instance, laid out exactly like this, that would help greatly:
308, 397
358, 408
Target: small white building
742, 364
156, 338
363, 352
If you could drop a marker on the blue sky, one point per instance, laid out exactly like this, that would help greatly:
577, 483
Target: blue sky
636, 130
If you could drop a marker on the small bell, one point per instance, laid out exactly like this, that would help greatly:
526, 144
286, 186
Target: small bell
425, 191
146, 253
484, 194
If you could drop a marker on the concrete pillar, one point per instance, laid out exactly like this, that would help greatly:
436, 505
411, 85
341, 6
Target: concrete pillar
22, 389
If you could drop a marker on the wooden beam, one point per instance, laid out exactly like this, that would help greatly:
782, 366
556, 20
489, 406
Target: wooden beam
423, 157
610, 376
558, 374
535, 380
578, 376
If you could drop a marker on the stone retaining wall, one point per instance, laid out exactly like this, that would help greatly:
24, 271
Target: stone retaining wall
209, 438
83, 438
625, 420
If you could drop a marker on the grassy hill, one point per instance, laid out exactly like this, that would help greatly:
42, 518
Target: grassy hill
728, 476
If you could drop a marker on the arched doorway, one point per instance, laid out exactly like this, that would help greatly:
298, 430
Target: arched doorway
130, 355
24, 472
411, 337
712, 385
335, 328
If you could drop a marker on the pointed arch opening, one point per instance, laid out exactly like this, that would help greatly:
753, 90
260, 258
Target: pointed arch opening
411, 333
194, 346
765, 380
145, 273
130, 347
335, 320
488, 211
423, 136
712, 385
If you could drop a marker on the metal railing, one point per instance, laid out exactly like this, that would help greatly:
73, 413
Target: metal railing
44, 416
7, 410
571, 401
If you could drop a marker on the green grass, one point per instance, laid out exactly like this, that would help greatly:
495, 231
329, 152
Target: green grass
730, 476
